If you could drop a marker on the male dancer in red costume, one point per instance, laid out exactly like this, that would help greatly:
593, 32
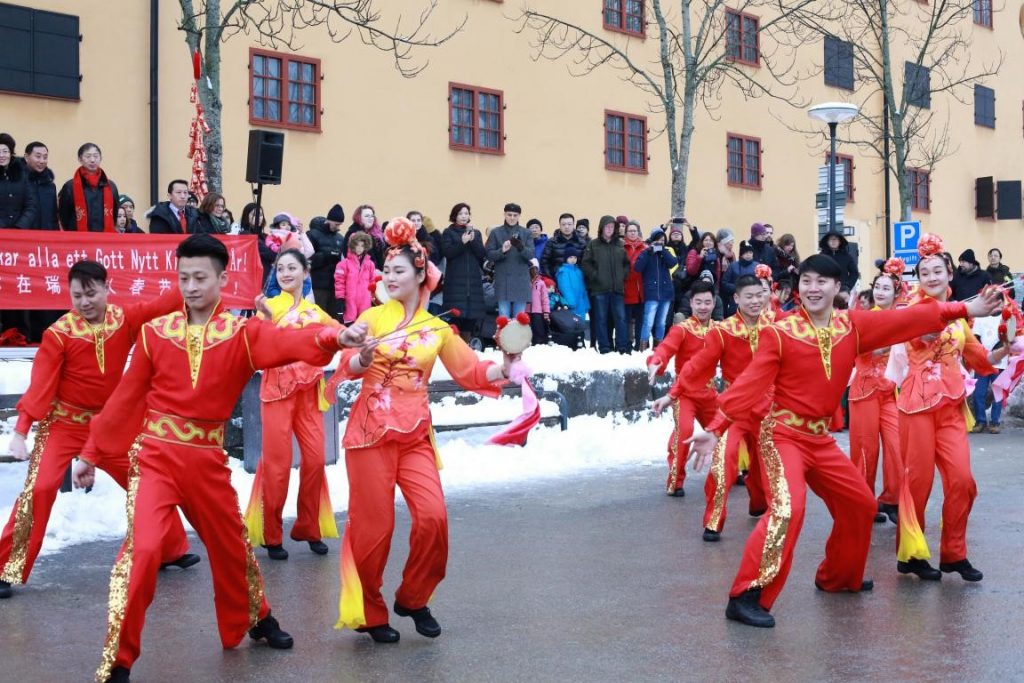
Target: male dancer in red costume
76, 368
808, 357
731, 343
169, 410
683, 341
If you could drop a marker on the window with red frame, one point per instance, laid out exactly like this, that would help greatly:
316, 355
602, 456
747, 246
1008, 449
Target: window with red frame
626, 16
284, 90
919, 182
744, 161
742, 42
625, 142
476, 119
982, 12
846, 161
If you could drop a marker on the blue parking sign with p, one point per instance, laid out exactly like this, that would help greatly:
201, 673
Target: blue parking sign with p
905, 236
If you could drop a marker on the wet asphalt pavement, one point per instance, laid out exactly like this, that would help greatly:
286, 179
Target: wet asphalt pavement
597, 578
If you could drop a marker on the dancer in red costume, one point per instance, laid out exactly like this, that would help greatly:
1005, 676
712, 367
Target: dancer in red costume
292, 402
186, 375
683, 341
731, 343
872, 401
79, 362
389, 441
808, 357
934, 426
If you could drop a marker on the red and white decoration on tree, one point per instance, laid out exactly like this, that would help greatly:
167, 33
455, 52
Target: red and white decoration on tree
198, 130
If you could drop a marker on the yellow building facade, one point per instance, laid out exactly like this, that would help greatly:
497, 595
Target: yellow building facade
386, 140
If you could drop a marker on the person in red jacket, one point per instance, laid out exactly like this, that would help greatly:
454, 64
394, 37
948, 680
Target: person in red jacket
168, 413
808, 357
683, 341
730, 343
934, 426
633, 295
79, 363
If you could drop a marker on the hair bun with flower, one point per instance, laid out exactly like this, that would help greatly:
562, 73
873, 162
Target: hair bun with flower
399, 232
763, 272
930, 245
895, 267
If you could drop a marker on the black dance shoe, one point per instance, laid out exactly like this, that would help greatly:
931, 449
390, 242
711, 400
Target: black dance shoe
318, 547
276, 552
891, 511
924, 571
757, 513
712, 536
746, 609
5, 590
268, 629
881, 517
119, 674
741, 479
184, 562
381, 634
964, 568
678, 493
426, 624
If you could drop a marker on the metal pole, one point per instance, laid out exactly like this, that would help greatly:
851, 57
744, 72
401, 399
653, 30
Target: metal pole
154, 104
832, 178
888, 177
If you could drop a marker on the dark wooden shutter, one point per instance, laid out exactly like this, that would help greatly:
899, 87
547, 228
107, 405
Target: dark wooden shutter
984, 197
40, 53
1009, 194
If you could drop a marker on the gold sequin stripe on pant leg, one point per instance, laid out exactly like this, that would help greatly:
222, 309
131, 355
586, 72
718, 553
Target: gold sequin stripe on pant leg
780, 508
254, 582
673, 450
22, 532
121, 572
721, 486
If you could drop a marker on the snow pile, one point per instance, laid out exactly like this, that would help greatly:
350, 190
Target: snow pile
561, 361
15, 375
592, 444
505, 409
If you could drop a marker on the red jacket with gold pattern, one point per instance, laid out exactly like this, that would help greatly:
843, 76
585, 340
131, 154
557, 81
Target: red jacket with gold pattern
78, 365
731, 343
195, 373
810, 367
684, 340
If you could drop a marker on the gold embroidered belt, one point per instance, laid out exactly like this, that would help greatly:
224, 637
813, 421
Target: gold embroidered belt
72, 414
816, 426
183, 430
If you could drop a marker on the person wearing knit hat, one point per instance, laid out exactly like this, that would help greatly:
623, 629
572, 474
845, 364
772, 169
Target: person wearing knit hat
969, 278
744, 265
583, 228
570, 282
328, 247
621, 222
540, 240
605, 266
725, 236
726, 240
764, 250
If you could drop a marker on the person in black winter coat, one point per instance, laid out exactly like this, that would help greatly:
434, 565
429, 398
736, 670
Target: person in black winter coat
40, 181
999, 272
328, 247
764, 249
463, 248
834, 245
98, 208
553, 255
166, 218
969, 278
17, 200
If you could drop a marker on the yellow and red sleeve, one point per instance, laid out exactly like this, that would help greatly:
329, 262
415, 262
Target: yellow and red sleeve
747, 393
877, 329
700, 369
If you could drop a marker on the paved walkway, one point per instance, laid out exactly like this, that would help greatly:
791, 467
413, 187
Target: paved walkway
597, 578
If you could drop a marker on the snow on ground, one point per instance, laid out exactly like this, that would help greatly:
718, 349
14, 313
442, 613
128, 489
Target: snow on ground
591, 444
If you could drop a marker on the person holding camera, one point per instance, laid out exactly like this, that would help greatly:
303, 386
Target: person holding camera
510, 249
655, 266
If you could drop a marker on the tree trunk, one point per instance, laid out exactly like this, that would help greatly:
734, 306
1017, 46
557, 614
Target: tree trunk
209, 94
899, 143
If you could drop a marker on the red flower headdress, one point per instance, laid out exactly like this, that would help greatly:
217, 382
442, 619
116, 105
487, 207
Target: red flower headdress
763, 272
930, 245
400, 233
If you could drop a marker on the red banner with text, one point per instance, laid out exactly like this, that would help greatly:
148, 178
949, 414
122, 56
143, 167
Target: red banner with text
34, 266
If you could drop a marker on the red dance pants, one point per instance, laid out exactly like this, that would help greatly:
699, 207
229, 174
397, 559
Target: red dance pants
870, 418
938, 438
300, 414
196, 479
373, 473
23, 536
724, 468
792, 461
684, 411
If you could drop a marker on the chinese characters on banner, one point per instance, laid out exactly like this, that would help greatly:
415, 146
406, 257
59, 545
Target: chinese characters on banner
34, 266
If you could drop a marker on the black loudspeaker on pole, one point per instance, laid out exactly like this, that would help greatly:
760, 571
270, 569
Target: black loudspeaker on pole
263, 166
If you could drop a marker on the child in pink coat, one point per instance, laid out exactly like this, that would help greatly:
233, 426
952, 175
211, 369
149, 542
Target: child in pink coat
354, 276
539, 307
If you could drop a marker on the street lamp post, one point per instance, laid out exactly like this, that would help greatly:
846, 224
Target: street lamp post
832, 113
